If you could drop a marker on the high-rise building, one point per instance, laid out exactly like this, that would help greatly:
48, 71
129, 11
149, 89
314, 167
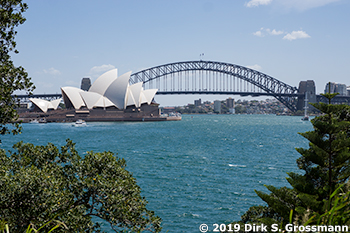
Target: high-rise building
332, 87
217, 106
230, 103
341, 89
198, 103
85, 84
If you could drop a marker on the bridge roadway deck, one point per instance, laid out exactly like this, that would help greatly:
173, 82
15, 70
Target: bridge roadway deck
24, 98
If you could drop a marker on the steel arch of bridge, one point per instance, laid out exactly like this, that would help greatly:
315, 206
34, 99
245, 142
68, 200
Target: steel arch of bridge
283, 92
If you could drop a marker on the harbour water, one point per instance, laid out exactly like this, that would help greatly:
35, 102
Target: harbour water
203, 169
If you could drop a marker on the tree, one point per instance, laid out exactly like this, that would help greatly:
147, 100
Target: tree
12, 78
240, 109
42, 183
325, 165
339, 213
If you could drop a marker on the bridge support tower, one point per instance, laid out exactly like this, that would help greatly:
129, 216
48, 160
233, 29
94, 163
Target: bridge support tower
309, 87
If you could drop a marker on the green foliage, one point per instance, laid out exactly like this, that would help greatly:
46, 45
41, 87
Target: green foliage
280, 200
325, 165
339, 213
240, 109
41, 183
12, 78
4, 227
260, 215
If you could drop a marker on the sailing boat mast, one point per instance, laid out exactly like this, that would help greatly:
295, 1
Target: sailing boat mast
305, 118
306, 100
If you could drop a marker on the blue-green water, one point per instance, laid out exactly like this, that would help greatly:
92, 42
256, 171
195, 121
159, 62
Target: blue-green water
203, 169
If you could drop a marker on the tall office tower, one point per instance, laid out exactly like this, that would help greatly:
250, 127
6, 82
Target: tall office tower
198, 103
230, 103
217, 106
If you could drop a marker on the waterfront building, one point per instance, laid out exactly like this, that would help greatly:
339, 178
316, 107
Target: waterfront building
217, 106
109, 90
341, 89
44, 105
333, 87
110, 98
197, 103
330, 87
230, 103
167, 110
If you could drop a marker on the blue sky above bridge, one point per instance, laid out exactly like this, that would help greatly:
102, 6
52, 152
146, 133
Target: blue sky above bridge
291, 40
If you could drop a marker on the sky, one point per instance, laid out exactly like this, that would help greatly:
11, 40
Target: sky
291, 40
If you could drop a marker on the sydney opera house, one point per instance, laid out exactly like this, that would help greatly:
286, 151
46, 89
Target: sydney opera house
110, 98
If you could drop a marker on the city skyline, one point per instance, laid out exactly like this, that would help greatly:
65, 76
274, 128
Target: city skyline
62, 41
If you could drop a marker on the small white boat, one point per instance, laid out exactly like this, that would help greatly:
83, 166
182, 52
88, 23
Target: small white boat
305, 118
79, 123
42, 120
174, 116
34, 121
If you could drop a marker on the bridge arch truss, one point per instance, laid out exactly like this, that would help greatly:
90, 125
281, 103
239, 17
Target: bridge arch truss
209, 77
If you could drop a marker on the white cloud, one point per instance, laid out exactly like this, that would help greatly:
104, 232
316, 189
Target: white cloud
262, 32
302, 5
288, 36
52, 71
276, 33
255, 67
254, 3
258, 33
296, 35
101, 69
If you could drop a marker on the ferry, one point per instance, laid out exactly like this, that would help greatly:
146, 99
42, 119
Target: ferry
79, 123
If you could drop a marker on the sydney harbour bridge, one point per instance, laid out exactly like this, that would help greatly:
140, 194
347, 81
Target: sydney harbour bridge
219, 78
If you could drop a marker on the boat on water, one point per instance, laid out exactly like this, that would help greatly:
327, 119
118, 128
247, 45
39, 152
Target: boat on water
174, 116
79, 123
42, 120
305, 117
34, 121
37, 121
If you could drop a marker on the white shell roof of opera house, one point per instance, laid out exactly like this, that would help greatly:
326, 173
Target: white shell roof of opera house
110, 90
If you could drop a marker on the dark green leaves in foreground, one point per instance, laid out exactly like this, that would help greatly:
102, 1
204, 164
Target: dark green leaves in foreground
12, 78
42, 183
